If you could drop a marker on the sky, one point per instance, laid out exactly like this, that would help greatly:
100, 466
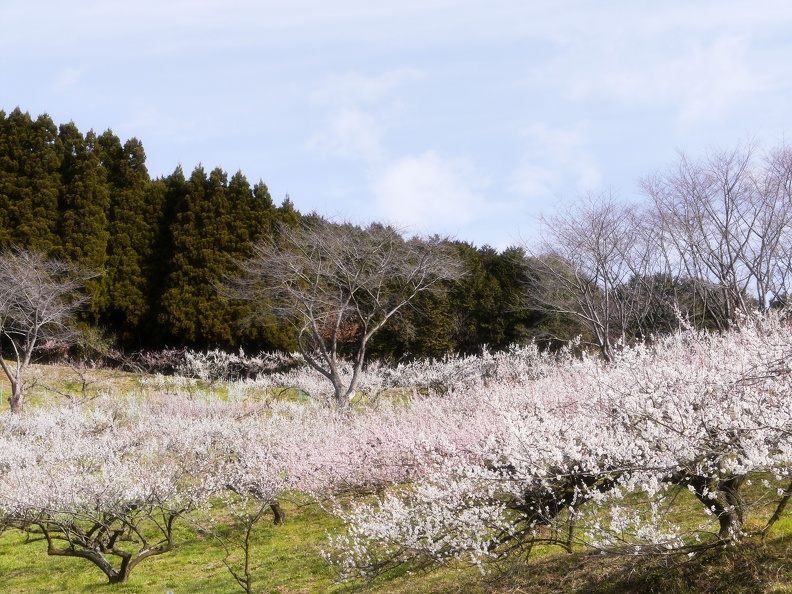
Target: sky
457, 117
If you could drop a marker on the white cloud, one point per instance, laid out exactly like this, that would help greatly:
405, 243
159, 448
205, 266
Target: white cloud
700, 74
715, 80
351, 134
354, 88
68, 78
556, 159
428, 192
535, 180
701, 80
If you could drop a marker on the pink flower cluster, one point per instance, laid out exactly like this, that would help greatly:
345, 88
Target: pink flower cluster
470, 458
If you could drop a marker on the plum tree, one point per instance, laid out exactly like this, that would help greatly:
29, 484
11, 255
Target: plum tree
39, 297
339, 284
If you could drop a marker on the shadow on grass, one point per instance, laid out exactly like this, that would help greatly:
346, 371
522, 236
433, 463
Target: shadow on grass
754, 566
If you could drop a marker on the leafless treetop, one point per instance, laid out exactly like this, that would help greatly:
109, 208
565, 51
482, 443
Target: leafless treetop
341, 283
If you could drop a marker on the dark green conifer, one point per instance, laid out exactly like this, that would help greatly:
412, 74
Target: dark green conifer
202, 232
132, 224
84, 200
30, 160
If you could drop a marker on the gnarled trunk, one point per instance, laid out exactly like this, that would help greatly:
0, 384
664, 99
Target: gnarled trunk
17, 398
723, 499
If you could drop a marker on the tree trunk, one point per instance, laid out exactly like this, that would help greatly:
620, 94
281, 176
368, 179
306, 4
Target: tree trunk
114, 576
17, 398
724, 500
277, 512
340, 399
731, 519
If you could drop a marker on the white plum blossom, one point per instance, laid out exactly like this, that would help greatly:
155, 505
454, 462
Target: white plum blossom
468, 458
596, 452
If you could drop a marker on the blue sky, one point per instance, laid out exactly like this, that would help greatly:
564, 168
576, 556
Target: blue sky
458, 117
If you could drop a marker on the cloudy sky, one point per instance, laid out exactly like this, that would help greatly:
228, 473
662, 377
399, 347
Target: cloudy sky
459, 117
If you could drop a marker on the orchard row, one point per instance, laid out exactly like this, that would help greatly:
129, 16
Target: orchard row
468, 458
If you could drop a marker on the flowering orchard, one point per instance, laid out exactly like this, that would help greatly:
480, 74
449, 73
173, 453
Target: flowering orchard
466, 458
598, 454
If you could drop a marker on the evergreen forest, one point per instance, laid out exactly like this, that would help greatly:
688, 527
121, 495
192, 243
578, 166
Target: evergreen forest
160, 247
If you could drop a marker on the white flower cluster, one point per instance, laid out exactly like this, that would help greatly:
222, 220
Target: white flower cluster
476, 456
273, 373
218, 365
609, 450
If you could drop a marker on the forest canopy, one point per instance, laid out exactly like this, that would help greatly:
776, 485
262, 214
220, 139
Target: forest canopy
160, 248
711, 242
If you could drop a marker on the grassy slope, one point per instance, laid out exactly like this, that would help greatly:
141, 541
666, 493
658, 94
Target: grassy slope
288, 561
287, 558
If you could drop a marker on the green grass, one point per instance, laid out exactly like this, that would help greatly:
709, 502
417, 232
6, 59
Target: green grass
287, 559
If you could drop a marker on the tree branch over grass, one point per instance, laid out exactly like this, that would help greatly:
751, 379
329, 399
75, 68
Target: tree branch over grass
121, 534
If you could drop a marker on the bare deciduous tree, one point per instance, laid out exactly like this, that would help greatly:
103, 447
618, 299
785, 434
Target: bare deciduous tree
593, 264
340, 284
38, 298
767, 255
715, 245
725, 222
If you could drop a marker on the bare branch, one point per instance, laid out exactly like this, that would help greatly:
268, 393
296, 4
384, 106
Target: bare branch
38, 299
339, 284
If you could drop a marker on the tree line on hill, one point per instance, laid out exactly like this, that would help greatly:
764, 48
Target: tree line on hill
712, 243
161, 246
